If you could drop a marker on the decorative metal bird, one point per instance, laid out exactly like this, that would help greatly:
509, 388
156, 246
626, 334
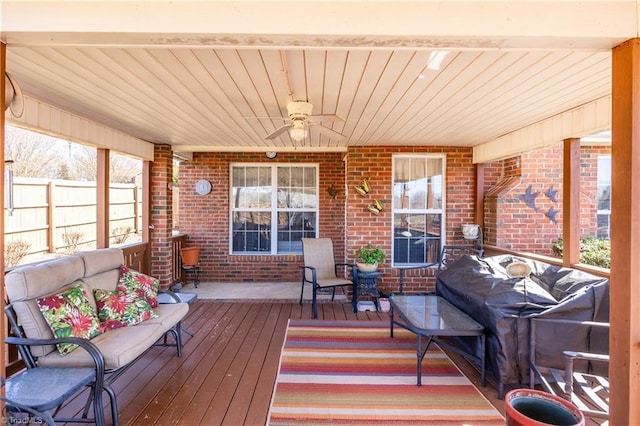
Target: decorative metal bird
551, 214
551, 193
529, 198
332, 192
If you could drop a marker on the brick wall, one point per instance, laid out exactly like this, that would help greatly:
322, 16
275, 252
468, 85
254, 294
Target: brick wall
345, 219
205, 218
512, 223
161, 215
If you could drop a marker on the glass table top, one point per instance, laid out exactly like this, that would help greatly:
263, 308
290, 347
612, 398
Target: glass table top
432, 313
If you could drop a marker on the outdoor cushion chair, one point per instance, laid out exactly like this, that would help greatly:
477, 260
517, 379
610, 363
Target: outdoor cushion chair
320, 269
563, 360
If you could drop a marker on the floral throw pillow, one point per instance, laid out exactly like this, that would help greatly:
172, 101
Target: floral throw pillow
132, 281
69, 314
118, 309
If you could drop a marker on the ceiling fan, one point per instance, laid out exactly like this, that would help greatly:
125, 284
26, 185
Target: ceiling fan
301, 118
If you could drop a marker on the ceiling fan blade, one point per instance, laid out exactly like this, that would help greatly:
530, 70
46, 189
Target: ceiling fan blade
278, 132
326, 117
266, 118
330, 133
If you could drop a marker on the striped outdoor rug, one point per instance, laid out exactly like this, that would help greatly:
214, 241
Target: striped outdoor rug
352, 372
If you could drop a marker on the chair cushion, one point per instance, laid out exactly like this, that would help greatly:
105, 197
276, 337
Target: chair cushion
318, 253
121, 309
331, 282
134, 282
69, 313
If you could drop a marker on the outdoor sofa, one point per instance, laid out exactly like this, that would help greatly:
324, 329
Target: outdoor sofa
504, 304
121, 340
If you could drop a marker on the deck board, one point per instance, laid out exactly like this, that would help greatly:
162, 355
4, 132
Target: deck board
228, 368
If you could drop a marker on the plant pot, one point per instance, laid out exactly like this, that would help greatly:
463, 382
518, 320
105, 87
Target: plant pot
531, 407
190, 255
367, 267
470, 231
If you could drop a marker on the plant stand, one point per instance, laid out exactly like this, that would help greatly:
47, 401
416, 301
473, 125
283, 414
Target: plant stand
364, 283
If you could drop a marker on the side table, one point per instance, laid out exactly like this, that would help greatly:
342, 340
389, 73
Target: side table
182, 298
364, 283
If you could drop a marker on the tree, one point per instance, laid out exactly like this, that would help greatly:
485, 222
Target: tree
41, 156
33, 154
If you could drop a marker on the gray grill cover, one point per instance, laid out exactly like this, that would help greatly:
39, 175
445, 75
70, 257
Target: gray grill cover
483, 289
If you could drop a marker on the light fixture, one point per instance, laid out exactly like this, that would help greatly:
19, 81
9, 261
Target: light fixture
436, 58
297, 131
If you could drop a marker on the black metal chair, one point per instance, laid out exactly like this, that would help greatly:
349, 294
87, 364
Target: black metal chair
574, 373
320, 269
39, 392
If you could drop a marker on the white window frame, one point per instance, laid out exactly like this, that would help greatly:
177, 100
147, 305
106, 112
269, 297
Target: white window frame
397, 210
273, 210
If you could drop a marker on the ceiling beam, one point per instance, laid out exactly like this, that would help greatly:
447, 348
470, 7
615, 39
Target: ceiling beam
497, 24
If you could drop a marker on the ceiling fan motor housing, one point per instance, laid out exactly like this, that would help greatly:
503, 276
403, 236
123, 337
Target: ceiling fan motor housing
299, 110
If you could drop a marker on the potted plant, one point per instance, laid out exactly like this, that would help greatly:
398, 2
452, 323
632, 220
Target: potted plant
369, 257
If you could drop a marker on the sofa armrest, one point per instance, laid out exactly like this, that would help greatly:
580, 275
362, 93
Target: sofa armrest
85, 344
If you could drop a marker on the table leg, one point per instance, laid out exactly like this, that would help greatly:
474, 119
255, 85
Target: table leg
354, 295
391, 322
420, 355
482, 360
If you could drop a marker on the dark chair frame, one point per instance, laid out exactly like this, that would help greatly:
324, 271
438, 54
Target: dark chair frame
576, 383
316, 282
97, 385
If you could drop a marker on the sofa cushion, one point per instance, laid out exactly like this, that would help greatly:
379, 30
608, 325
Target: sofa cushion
169, 314
134, 282
120, 309
119, 347
101, 269
69, 314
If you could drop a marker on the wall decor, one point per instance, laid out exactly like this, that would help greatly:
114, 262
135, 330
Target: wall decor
332, 192
551, 214
529, 198
376, 207
364, 188
551, 194
203, 187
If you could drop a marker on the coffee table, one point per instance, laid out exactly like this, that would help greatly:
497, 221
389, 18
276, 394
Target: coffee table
433, 317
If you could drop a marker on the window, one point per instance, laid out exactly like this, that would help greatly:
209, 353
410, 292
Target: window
418, 217
603, 215
273, 207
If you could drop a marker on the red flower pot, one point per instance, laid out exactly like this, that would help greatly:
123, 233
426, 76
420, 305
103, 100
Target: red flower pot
530, 407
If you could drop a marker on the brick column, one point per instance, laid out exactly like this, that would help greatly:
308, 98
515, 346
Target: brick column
161, 215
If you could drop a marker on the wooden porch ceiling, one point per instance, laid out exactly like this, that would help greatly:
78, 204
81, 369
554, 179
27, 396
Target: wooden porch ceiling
198, 82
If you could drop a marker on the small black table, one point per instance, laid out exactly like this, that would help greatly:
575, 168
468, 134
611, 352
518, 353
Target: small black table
364, 283
432, 317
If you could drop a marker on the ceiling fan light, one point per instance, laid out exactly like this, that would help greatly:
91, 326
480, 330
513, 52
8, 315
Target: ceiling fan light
298, 134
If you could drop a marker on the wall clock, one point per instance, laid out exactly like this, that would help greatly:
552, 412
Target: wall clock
271, 154
203, 187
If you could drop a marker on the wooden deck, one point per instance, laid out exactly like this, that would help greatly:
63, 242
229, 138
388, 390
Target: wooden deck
228, 368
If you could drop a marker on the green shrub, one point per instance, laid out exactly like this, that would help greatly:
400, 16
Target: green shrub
593, 251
